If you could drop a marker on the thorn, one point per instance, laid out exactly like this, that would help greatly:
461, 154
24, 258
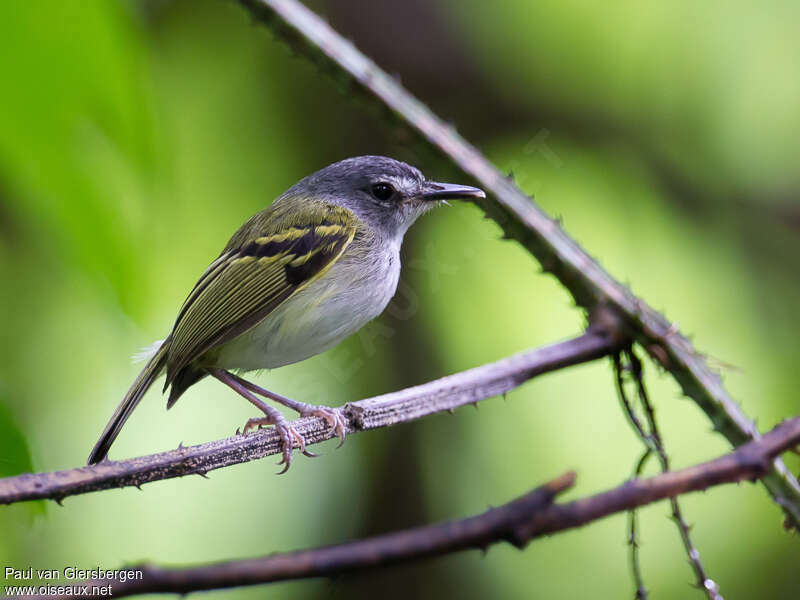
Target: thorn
475, 405
59, 500
452, 411
180, 445
504, 396
202, 474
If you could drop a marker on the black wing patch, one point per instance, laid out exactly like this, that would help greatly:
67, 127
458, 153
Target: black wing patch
245, 285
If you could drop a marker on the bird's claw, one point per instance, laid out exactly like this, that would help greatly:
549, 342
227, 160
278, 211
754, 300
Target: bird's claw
288, 434
333, 417
289, 437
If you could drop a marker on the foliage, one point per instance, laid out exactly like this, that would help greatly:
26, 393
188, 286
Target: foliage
135, 137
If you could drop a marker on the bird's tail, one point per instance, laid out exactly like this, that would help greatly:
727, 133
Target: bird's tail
144, 380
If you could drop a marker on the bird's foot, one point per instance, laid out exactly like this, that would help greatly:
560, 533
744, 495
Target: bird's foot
332, 416
289, 436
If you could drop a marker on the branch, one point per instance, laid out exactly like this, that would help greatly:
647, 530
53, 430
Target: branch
445, 394
633, 538
704, 582
523, 220
654, 444
531, 516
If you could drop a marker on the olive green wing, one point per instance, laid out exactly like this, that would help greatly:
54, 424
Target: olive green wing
275, 254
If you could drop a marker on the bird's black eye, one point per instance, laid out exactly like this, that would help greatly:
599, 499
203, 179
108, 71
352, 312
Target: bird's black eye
382, 191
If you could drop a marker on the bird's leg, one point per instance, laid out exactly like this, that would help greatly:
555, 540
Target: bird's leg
331, 415
272, 417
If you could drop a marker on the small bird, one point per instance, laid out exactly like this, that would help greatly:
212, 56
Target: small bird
296, 279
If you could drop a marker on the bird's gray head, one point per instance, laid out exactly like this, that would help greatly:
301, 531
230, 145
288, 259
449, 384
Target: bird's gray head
387, 194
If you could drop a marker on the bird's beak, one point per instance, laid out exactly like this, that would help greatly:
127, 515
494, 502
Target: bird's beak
449, 191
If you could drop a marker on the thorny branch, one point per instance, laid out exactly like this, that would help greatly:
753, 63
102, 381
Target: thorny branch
517, 522
654, 444
445, 394
704, 582
633, 538
533, 515
522, 220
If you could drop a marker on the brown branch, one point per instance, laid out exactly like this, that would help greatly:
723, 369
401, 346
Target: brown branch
523, 220
633, 537
445, 394
654, 444
531, 516
704, 582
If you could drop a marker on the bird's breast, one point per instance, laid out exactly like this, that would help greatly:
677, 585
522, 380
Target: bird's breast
353, 291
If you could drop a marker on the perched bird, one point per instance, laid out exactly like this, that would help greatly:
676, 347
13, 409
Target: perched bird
294, 280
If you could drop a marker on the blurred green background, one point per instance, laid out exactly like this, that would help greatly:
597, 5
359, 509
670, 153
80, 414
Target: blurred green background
136, 136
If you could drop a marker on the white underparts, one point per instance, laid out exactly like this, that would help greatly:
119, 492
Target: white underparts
350, 294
